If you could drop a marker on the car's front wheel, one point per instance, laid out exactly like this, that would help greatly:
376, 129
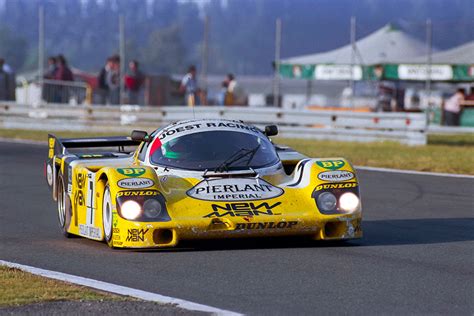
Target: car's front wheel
107, 217
64, 206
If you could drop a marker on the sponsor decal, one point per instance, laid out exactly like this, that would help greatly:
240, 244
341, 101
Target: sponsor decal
234, 190
336, 175
89, 231
423, 72
266, 225
243, 209
115, 217
51, 148
79, 194
117, 243
138, 193
346, 185
91, 156
131, 172
331, 164
136, 235
338, 72
84, 196
192, 127
116, 230
135, 183
116, 237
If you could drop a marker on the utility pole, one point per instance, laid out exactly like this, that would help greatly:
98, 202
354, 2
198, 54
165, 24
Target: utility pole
276, 79
353, 51
429, 39
122, 55
205, 53
41, 46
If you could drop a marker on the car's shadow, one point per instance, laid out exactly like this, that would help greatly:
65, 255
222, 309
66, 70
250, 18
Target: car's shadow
376, 233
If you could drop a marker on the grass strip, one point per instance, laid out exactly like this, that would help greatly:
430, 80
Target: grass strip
19, 288
444, 153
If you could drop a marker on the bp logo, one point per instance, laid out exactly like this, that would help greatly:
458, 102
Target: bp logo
331, 164
131, 172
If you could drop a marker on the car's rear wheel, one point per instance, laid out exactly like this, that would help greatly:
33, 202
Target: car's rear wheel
64, 206
107, 216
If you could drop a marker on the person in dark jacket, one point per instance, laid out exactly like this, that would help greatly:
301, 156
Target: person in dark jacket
133, 82
49, 89
63, 73
3, 82
103, 87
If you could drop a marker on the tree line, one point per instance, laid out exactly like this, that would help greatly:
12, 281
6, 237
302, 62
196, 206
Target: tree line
167, 35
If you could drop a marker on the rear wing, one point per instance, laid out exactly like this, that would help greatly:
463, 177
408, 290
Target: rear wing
59, 156
59, 146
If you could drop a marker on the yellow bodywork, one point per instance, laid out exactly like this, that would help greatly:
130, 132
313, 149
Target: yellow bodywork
293, 212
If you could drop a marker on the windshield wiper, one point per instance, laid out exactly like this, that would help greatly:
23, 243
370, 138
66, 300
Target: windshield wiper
238, 155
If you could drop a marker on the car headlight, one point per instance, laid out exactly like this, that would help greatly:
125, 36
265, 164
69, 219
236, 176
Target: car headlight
327, 201
152, 208
349, 202
130, 209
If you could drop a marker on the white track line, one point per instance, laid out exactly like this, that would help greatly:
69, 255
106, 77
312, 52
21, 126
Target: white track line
118, 289
421, 173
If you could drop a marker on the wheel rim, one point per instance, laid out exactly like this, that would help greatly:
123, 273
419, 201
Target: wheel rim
61, 204
107, 214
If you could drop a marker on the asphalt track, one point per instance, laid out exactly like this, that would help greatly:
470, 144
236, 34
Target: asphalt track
417, 256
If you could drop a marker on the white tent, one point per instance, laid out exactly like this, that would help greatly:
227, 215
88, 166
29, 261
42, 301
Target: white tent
463, 54
386, 45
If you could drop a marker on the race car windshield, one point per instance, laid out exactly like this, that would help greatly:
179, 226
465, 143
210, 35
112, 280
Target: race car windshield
211, 150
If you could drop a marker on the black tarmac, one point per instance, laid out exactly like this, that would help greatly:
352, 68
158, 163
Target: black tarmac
417, 255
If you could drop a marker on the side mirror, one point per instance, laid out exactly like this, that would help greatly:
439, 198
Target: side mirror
271, 130
140, 136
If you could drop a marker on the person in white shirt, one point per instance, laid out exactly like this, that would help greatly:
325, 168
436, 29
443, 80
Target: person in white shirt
189, 87
453, 108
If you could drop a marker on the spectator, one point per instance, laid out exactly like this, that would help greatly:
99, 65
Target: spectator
52, 68
7, 82
385, 95
235, 94
103, 87
3, 81
113, 80
470, 96
6, 68
453, 108
133, 81
231, 84
62, 73
223, 92
48, 88
189, 87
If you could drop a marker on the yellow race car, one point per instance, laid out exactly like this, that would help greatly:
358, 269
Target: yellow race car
198, 179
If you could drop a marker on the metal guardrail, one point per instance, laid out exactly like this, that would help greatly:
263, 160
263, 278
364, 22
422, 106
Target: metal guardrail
54, 91
436, 129
407, 128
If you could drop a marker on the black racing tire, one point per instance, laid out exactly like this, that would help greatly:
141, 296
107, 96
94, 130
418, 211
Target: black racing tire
107, 216
64, 206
